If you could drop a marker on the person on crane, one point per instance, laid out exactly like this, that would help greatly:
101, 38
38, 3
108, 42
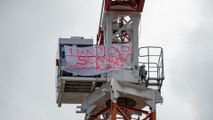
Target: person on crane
142, 72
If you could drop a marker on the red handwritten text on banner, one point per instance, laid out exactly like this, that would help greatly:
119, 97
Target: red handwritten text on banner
95, 60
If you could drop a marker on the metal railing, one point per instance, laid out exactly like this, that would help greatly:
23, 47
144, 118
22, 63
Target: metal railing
152, 58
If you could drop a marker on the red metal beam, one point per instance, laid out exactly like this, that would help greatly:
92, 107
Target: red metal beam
92, 117
135, 5
122, 113
108, 5
141, 5
114, 111
114, 108
153, 116
148, 116
100, 37
134, 109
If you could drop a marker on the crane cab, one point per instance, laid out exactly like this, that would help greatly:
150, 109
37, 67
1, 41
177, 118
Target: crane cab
73, 88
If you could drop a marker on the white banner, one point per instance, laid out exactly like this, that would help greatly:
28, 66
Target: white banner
95, 60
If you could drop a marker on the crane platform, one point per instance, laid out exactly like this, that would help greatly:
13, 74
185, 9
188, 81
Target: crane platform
73, 88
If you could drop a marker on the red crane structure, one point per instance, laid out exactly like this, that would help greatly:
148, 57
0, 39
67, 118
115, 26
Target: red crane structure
128, 93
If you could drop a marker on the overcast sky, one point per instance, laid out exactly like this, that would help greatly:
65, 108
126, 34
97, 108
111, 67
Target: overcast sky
29, 31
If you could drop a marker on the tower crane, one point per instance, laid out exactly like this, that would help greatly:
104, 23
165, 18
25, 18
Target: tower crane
115, 78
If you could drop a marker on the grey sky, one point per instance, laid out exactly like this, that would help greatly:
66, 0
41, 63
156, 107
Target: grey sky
29, 30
